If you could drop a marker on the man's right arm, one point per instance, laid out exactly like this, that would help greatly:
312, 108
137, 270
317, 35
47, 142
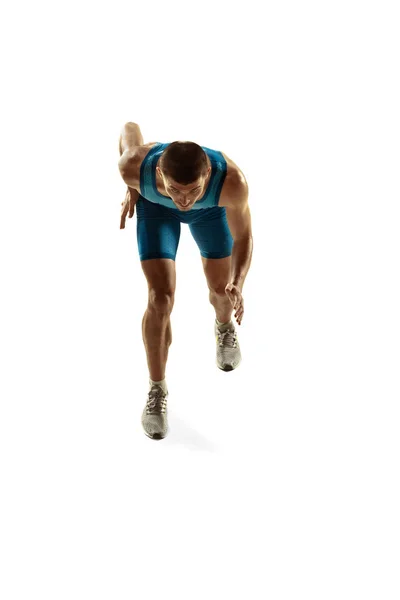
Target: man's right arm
128, 166
130, 138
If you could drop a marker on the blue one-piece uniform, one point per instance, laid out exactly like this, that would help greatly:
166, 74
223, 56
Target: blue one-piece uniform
159, 221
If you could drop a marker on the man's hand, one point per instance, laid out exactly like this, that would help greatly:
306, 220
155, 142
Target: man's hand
128, 205
235, 296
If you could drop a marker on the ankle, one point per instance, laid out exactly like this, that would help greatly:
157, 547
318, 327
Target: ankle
162, 383
228, 325
222, 322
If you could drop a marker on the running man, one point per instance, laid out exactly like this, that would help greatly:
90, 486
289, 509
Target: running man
170, 184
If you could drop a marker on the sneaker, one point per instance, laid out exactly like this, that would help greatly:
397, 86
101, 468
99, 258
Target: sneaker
154, 416
228, 350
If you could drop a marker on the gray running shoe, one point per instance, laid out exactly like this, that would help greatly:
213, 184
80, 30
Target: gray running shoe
228, 349
154, 416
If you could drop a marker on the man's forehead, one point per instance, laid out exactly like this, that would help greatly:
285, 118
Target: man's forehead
180, 186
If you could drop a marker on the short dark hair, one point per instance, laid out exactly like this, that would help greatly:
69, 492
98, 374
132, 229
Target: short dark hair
184, 162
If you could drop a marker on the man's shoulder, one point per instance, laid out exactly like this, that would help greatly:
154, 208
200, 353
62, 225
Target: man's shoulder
131, 162
138, 153
235, 188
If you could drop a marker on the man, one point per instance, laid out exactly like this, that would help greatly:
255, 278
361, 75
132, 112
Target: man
174, 183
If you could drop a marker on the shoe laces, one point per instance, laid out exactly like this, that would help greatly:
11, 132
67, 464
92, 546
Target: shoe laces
156, 401
227, 339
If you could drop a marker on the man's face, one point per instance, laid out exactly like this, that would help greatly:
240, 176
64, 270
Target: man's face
184, 196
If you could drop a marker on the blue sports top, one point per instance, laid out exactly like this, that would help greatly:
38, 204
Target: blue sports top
148, 187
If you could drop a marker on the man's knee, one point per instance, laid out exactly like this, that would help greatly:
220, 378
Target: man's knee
217, 271
217, 289
162, 301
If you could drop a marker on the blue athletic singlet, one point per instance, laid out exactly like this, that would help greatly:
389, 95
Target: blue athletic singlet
159, 220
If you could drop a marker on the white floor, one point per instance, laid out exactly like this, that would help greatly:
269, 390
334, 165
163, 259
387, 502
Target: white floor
278, 480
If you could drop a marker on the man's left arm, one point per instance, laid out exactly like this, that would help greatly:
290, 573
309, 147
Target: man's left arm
239, 221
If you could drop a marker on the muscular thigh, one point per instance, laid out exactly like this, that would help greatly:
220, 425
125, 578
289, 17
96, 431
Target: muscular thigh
161, 277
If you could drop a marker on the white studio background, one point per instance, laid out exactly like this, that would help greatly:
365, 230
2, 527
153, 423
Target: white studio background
278, 480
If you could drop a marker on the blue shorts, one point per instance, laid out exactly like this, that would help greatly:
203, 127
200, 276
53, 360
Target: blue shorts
159, 228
